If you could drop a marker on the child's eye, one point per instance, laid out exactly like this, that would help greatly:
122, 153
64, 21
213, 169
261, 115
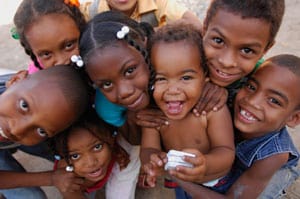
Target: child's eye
23, 105
247, 51
129, 71
186, 78
44, 55
218, 40
249, 86
42, 132
275, 101
106, 85
159, 79
70, 45
74, 156
98, 147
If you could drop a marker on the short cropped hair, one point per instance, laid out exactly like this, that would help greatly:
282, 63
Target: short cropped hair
271, 11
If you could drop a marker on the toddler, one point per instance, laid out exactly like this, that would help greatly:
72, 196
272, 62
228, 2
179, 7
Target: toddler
178, 60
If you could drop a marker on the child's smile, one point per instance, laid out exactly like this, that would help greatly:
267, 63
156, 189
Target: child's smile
128, 84
233, 45
179, 79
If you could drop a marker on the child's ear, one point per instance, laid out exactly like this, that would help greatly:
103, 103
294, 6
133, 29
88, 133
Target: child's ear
294, 119
16, 77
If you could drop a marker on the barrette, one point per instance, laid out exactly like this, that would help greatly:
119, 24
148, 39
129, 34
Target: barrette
152, 88
123, 32
14, 33
78, 60
57, 157
69, 168
75, 3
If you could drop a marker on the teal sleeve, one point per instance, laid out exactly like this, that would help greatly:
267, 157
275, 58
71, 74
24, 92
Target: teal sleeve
108, 111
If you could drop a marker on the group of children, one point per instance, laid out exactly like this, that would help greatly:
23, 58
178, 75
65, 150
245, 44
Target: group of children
121, 94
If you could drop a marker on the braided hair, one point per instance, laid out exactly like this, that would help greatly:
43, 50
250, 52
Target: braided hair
30, 11
101, 32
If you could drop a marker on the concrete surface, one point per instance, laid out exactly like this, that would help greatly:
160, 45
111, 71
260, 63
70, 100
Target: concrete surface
14, 58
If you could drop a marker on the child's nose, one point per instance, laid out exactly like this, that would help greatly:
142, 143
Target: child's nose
19, 129
228, 59
91, 161
173, 88
255, 100
125, 90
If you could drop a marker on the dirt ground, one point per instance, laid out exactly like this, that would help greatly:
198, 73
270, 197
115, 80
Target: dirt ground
13, 58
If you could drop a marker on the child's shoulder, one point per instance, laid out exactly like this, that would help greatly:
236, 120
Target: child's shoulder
268, 145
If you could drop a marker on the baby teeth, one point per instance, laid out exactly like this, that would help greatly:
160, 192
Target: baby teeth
247, 115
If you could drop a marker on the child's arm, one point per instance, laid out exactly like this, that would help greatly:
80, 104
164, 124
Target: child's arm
10, 179
152, 159
249, 185
217, 162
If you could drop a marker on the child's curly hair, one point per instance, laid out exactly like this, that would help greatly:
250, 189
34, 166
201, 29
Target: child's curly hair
178, 32
103, 131
30, 11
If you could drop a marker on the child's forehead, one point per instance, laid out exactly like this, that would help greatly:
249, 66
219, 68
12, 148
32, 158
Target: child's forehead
278, 78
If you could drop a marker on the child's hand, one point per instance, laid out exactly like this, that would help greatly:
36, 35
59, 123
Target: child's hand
151, 118
194, 174
213, 98
155, 167
20, 75
66, 181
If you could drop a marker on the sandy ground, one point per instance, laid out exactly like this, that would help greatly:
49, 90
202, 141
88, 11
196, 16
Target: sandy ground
13, 58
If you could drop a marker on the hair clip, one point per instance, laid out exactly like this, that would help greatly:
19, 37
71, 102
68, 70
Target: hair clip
123, 32
69, 168
57, 157
115, 133
78, 60
14, 33
152, 88
75, 3
94, 86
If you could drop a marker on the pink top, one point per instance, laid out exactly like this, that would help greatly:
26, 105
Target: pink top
32, 68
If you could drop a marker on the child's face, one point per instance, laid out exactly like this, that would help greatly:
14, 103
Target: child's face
267, 102
54, 38
122, 5
31, 111
233, 45
179, 77
122, 75
89, 155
